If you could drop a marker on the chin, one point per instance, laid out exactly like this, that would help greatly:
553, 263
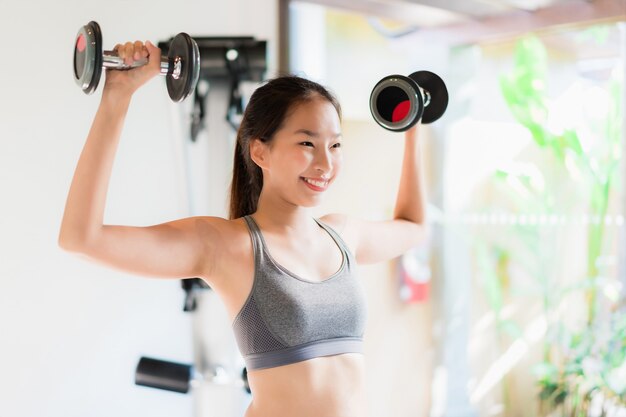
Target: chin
311, 202
311, 205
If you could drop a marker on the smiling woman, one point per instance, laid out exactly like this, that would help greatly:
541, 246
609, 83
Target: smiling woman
288, 280
305, 105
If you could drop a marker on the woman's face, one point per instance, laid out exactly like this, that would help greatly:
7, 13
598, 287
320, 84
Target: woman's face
305, 156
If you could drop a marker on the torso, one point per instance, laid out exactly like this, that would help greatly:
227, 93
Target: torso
328, 386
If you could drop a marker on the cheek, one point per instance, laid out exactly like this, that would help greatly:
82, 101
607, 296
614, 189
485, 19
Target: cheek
338, 162
300, 159
293, 164
290, 160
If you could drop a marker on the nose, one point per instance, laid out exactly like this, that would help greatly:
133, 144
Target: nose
323, 162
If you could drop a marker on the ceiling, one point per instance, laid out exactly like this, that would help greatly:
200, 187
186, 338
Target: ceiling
428, 13
459, 21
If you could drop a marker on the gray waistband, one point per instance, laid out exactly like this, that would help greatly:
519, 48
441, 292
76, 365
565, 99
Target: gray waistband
303, 352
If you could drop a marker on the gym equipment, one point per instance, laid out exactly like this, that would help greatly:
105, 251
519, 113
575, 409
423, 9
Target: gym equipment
181, 66
225, 60
398, 102
179, 377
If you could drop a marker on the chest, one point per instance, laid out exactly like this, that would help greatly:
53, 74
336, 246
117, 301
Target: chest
299, 311
306, 260
313, 261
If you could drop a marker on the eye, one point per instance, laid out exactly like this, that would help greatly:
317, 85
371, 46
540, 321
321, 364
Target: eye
305, 143
337, 145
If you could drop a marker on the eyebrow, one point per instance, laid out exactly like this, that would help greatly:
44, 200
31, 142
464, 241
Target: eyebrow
314, 134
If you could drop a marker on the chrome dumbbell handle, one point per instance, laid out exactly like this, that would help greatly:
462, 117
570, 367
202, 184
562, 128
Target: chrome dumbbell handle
425, 96
110, 59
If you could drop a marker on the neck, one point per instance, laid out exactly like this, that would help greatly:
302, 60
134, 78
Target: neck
277, 215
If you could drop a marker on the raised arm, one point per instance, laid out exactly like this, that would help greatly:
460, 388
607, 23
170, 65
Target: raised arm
410, 200
377, 241
170, 250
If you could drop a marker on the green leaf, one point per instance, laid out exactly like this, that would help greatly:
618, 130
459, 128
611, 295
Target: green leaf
546, 372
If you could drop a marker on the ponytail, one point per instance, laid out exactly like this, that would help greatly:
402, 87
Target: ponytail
246, 183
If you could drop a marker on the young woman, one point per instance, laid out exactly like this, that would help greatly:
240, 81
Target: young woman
288, 280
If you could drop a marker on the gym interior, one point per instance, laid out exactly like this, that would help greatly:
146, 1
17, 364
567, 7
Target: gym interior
512, 305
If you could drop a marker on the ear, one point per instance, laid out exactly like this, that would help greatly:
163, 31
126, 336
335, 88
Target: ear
259, 152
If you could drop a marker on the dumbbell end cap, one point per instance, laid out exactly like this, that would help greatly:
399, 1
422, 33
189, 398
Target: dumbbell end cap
396, 103
87, 63
184, 47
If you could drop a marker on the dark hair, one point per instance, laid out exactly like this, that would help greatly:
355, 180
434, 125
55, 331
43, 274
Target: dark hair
265, 113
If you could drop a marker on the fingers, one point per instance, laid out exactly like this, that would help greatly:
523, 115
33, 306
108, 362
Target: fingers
131, 51
128, 53
131, 79
151, 48
140, 51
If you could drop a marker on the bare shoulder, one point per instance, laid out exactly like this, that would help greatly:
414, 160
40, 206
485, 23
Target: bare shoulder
337, 221
374, 241
345, 226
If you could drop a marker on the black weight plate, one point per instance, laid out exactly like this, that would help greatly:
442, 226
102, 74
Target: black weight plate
435, 86
395, 103
87, 63
186, 48
165, 375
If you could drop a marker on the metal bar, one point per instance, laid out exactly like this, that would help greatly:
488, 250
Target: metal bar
110, 59
283, 36
622, 238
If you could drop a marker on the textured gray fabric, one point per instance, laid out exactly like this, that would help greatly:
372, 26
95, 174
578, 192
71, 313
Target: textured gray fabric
288, 319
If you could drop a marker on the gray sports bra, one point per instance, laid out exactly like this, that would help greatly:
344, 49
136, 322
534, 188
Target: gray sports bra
288, 319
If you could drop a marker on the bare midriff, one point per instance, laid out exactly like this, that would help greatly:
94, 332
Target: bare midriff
327, 386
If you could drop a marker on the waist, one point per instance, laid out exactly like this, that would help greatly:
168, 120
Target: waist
327, 385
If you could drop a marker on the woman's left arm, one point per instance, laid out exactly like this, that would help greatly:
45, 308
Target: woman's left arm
410, 200
377, 241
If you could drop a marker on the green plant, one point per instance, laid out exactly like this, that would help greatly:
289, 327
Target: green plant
593, 365
524, 92
589, 363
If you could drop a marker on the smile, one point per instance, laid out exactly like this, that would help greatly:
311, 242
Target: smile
315, 184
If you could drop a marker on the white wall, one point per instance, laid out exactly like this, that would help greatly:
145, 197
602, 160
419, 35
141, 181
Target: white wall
71, 331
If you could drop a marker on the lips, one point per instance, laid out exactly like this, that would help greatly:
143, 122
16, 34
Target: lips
317, 184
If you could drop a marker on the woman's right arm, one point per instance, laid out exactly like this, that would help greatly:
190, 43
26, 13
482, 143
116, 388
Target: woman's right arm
176, 249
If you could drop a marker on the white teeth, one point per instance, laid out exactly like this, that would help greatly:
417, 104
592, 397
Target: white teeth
321, 184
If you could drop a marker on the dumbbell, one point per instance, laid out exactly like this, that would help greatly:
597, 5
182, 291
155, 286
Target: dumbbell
181, 67
398, 102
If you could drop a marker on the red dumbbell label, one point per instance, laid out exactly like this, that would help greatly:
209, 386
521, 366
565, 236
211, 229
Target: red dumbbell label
81, 43
401, 111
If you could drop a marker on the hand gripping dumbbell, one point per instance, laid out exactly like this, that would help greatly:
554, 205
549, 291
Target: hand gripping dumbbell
181, 67
398, 102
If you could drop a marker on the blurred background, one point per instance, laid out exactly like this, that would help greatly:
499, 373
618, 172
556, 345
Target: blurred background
513, 307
